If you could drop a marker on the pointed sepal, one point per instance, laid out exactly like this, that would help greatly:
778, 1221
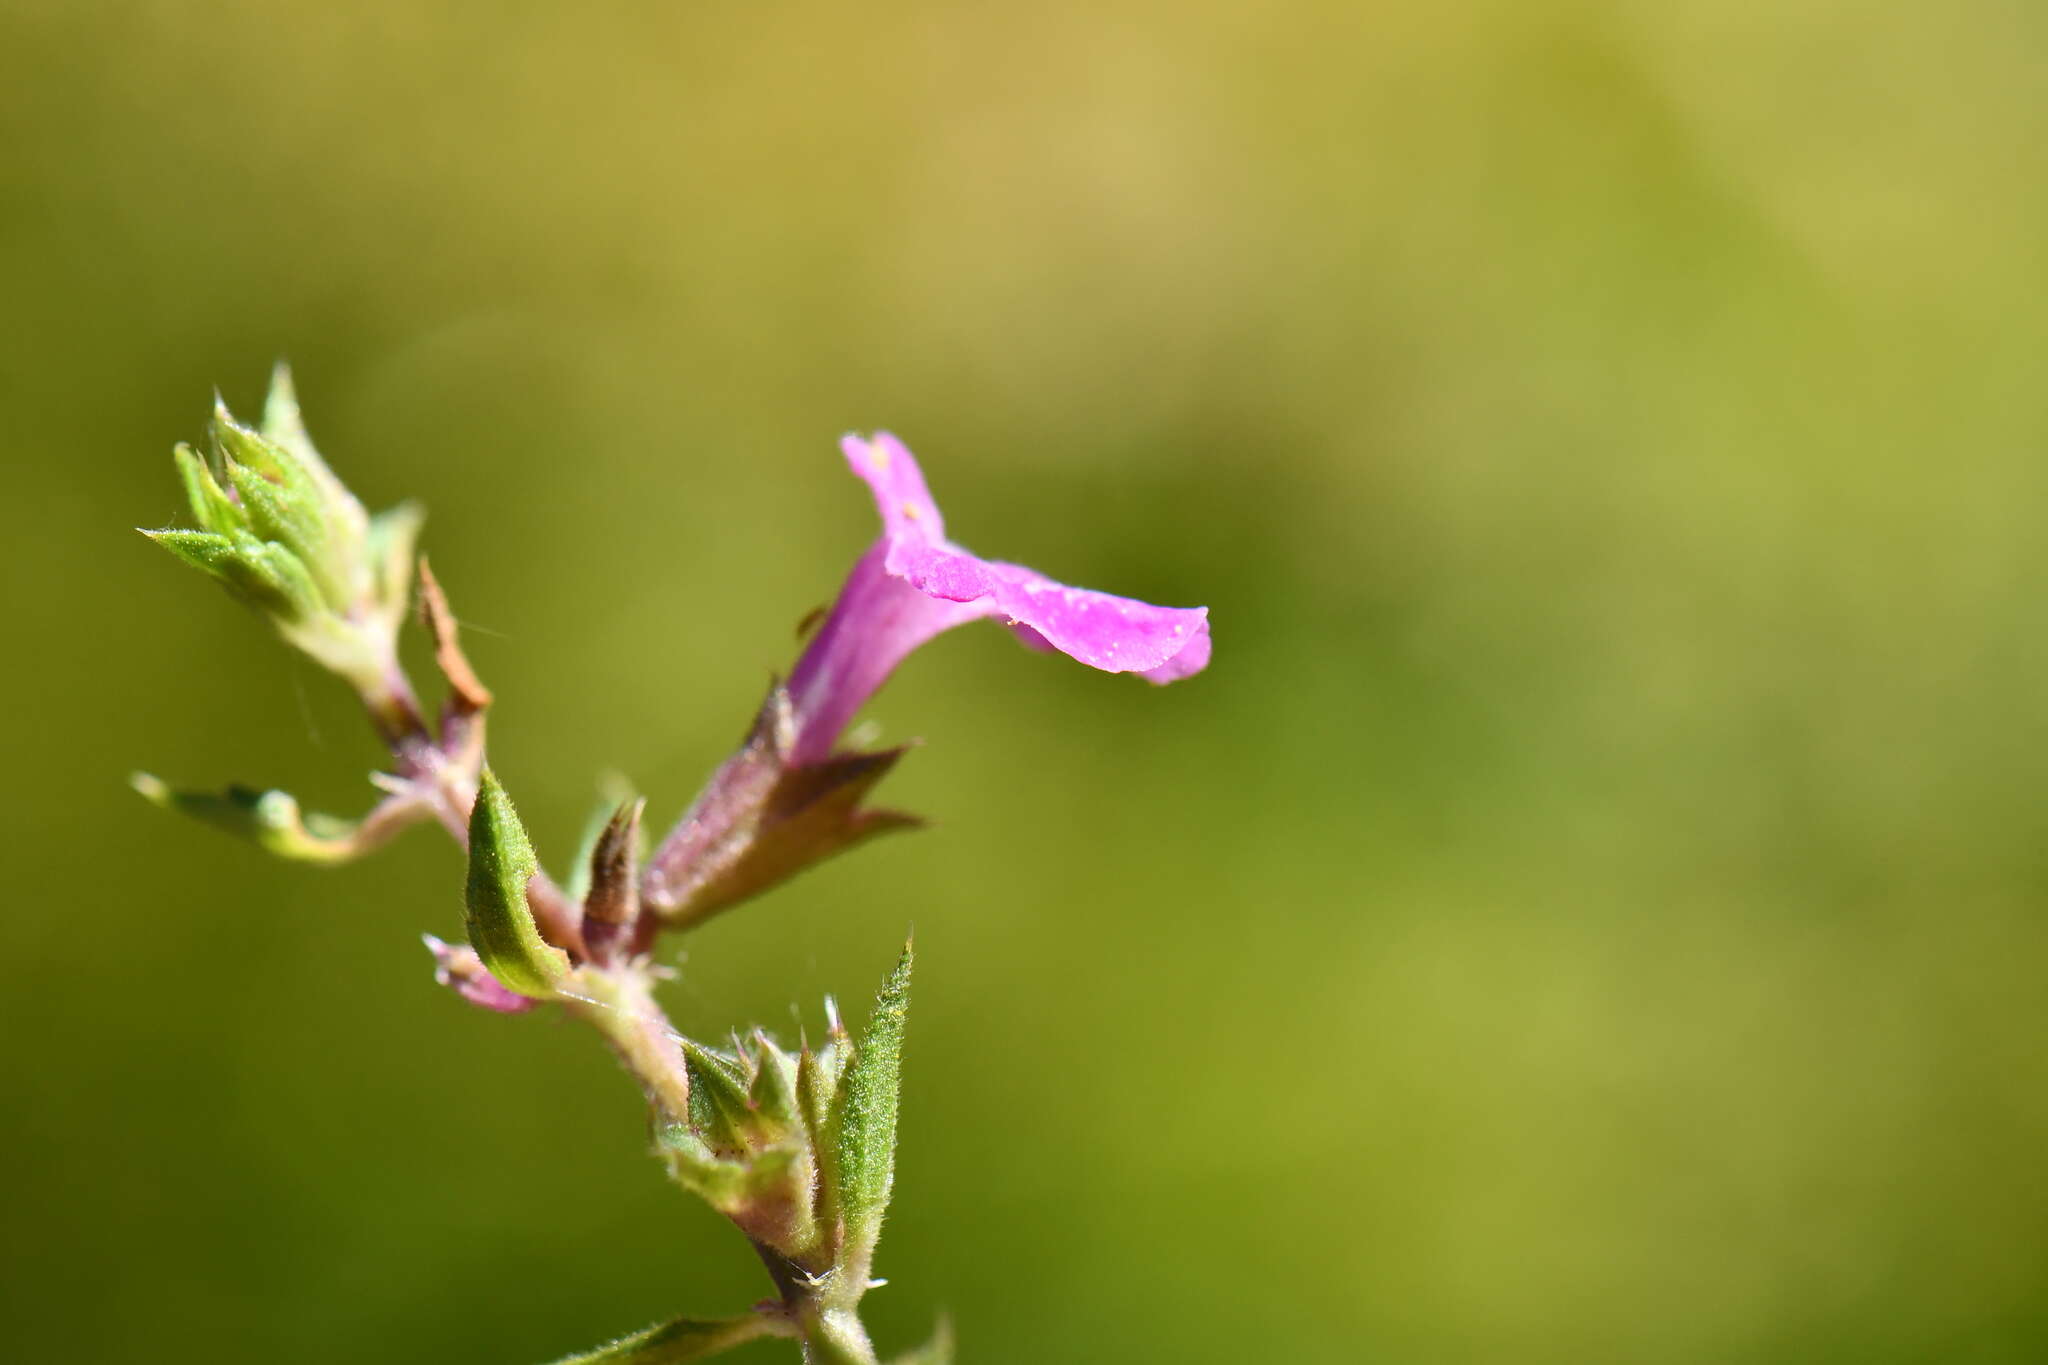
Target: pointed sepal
501, 923
719, 1109
762, 819
772, 1096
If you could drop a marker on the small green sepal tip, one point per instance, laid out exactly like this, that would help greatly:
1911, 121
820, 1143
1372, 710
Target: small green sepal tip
501, 924
719, 1110
773, 1093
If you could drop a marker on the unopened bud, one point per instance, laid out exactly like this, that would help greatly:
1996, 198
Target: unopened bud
613, 904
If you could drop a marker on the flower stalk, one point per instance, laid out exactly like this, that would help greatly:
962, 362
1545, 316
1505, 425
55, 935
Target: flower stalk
796, 1147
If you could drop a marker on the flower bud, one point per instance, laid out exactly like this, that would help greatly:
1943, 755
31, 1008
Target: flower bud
287, 538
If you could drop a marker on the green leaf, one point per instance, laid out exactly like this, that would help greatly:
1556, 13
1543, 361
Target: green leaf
864, 1117
284, 427
263, 574
270, 819
212, 508
698, 1169
283, 503
501, 926
273, 569
276, 512
208, 551
685, 1339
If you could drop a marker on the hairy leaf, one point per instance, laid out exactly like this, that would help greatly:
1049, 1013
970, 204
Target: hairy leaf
501, 926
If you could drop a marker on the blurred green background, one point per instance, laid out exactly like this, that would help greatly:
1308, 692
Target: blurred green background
1590, 911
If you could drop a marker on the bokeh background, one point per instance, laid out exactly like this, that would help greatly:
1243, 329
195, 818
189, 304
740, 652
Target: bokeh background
1590, 911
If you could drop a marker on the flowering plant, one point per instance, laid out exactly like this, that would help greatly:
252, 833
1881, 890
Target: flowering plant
795, 1146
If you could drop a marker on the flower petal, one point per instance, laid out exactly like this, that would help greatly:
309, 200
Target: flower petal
877, 620
913, 583
892, 475
1102, 630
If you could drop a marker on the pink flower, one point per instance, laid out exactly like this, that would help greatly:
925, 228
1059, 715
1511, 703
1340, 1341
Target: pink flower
913, 583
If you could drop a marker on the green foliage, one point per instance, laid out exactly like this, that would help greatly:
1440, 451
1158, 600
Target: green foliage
284, 427
800, 1150
1618, 424
501, 924
746, 1150
261, 573
284, 536
862, 1127
270, 819
282, 503
674, 1343
212, 508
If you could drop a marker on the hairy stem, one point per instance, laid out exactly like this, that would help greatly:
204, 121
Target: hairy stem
617, 1000
443, 772
834, 1336
393, 706
826, 1319
620, 1005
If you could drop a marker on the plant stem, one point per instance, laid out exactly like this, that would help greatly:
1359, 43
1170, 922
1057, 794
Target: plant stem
444, 773
616, 1000
619, 1004
826, 1319
834, 1336
393, 705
